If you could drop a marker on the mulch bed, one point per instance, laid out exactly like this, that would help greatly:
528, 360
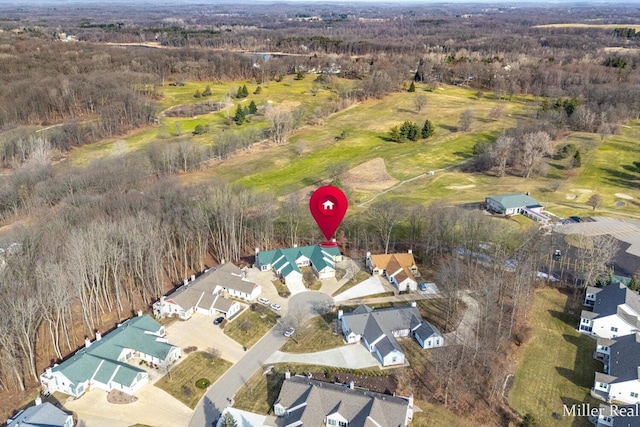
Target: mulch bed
120, 398
383, 384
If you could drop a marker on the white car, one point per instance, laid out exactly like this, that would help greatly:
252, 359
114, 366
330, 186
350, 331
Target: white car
275, 306
264, 301
289, 332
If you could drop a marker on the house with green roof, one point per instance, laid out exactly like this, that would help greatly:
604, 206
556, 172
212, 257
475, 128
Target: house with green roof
286, 262
103, 363
516, 204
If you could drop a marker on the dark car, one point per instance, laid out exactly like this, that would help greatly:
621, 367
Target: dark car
218, 320
557, 254
575, 218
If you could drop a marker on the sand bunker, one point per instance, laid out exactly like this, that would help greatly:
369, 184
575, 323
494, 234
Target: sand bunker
581, 190
623, 196
460, 187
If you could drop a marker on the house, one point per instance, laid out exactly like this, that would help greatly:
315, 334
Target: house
615, 311
206, 294
310, 403
103, 363
399, 269
377, 330
620, 381
618, 416
286, 263
41, 415
516, 204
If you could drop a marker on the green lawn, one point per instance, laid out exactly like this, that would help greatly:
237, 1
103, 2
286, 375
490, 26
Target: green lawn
250, 326
180, 381
556, 366
360, 276
315, 335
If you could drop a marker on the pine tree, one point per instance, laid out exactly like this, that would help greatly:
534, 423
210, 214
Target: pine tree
394, 134
258, 91
207, 91
243, 92
240, 116
197, 94
412, 87
253, 108
229, 421
427, 129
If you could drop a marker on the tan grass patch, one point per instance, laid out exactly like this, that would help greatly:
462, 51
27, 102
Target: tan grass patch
370, 176
623, 196
460, 187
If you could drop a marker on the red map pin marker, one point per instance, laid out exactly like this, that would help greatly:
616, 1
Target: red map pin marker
328, 205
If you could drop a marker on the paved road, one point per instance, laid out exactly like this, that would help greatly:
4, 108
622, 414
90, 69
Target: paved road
302, 306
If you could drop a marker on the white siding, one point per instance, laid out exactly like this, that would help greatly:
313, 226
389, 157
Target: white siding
622, 391
605, 327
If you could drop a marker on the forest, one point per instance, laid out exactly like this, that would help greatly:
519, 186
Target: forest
87, 245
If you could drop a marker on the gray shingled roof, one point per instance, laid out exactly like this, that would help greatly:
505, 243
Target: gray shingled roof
226, 275
610, 297
43, 415
624, 359
315, 400
426, 330
589, 314
373, 323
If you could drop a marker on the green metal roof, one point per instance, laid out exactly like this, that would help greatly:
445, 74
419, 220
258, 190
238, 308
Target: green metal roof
320, 257
510, 201
131, 335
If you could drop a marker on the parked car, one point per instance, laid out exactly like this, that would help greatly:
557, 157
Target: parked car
289, 332
275, 306
557, 254
263, 300
218, 320
422, 286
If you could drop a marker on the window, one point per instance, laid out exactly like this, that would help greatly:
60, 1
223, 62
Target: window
614, 329
342, 424
331, 422
634, 394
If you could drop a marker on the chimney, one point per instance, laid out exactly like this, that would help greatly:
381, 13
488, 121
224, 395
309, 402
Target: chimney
98, 336
257, 251
309, 375
351, 385
193, 277
185, 282
38, 400
139, 313
287, 375
410, 251
413, 304
295, 245
368, 254
48, 371
340, 314
87, 342
163, 299
411, 400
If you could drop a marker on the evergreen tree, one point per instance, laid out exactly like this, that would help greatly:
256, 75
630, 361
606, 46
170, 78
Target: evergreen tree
243, 92
427, 129
253, 108
394, 134
633, 284
207, 91
229, 421
240, 116
258, 91
529, 421
409, 130
577, 160
412, 87
197, 94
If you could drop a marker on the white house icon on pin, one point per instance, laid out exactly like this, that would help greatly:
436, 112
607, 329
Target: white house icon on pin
328, 205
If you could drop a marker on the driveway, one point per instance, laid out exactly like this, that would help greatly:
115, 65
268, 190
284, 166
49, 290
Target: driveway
353, 356
371, 286
304, 306
154, 407
465, 334
199, 331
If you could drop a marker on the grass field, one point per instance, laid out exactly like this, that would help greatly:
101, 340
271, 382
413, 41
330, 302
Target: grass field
315, 335
556, 366
359, 134
250, 326
180, 381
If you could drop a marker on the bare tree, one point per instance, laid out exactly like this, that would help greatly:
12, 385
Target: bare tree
594, 256
466, 120
500, 152
383, 217
535, 146
282, 122
595, 201
420, 102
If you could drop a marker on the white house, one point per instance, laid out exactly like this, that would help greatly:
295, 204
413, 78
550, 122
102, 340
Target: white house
618, 416
41, 415
377, 330
620, 381
286, 263
516, 204
103, 363
616, 311
400, 269
206, 294
307, 402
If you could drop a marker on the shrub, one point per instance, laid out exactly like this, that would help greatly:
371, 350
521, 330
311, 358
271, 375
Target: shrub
203, 383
